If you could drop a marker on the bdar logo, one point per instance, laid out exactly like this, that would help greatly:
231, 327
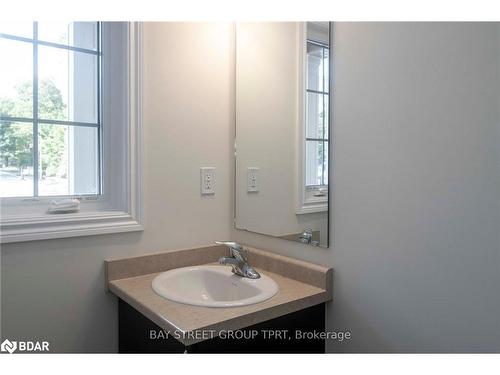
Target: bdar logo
24, 346
8, 346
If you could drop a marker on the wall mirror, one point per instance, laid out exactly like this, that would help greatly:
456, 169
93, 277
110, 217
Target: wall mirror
282, 130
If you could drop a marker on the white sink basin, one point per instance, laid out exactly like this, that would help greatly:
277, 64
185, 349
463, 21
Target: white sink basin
212, 286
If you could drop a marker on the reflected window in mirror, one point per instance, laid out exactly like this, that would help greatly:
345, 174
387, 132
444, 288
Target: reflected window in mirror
317, 115
313, 160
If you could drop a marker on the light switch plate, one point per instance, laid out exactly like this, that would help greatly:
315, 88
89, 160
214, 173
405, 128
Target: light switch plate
252, 179
207, 180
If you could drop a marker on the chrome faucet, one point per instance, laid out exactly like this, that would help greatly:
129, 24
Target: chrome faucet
238, 260
306, 236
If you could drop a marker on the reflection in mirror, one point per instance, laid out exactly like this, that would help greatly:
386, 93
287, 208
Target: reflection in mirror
282, 130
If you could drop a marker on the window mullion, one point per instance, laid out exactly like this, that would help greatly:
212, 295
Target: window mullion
36, 169
99, 107
325, 96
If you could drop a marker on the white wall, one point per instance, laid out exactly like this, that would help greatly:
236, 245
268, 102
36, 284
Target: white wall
415, 213
54, 290
267, 120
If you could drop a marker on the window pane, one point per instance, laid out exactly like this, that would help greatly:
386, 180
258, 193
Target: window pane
67, 85
326, 115
314, 67
326, 64
313, 163
316, 163
84, 166
325, 163
16, 159
75, 34
68, 160
315, 112
18, 28
53, 150
16, 78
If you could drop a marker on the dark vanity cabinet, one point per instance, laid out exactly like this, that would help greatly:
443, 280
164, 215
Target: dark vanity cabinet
290, 333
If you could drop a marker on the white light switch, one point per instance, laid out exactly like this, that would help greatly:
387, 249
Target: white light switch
252, 179
207, 180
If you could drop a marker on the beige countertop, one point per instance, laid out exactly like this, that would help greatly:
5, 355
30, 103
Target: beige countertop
304, 285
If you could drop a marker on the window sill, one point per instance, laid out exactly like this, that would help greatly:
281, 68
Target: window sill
311, 209
50, 226
313, 204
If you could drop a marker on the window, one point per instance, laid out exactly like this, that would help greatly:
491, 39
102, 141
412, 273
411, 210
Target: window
317, 98
50, 110
313, 115
70, 126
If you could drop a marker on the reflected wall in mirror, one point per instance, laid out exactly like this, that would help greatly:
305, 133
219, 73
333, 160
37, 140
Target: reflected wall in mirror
282, 130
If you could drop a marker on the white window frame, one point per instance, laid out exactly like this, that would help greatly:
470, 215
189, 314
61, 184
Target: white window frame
119, 207
306, 202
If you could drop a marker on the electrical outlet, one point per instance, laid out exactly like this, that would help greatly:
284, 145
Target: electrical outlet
207, 180
252, 179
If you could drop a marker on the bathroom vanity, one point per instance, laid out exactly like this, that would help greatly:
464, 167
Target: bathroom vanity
284, 323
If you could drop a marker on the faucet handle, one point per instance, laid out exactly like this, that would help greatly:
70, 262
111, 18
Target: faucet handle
235, 249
